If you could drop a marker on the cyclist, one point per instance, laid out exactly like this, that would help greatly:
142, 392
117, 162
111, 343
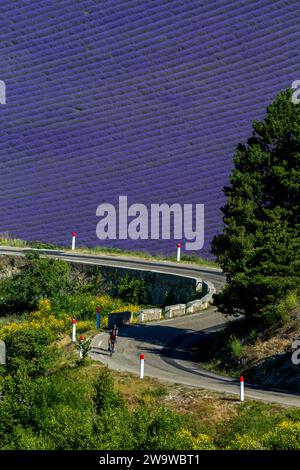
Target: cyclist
113, 338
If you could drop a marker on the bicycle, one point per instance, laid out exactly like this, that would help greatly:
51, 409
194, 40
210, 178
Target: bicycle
111, 346
112, 339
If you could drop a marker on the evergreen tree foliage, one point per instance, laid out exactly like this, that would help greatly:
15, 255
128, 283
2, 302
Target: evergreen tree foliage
259, 249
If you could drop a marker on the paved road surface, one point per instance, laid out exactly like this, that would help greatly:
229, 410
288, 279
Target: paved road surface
166, 343
213, 275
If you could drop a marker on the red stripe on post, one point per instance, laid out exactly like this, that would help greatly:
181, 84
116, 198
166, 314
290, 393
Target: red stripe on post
241, 379
142, 356
73, 321
73, 234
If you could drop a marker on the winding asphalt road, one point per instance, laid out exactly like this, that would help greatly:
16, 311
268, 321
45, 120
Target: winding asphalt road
166, 343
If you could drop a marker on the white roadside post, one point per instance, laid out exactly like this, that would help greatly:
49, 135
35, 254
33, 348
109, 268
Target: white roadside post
242, 389
142, 365
178, 251
2, 353
74, 330
73, 240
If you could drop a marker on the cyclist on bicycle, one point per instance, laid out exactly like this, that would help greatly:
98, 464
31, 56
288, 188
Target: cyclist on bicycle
113, 337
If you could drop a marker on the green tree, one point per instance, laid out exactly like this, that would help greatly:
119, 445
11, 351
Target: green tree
26, 439
113, 430
17, 403
105, 397
30, 349
259, 249
68, 428
38, 278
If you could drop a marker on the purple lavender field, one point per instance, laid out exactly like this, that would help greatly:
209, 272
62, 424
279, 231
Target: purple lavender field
140, 98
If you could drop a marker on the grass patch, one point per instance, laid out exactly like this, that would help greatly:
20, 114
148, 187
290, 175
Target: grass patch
192, 259
8, 240
218, 418
251, 418
262, 355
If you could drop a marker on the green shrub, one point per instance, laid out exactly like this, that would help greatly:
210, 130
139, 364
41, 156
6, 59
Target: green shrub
83, 346
244, 442
185, 440
140, 419
38, 278
79, 305
26, 439
251, 420
20, 396
69, 428
113, 430
280, 312
132, 290
285, 436
236, 348
162, 428
253, 336
43, 245
104, 396
30, 349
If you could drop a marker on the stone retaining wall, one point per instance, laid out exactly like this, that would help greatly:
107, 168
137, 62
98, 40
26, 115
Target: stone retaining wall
179, 310
173, 311
149, 314
119, 318
161, 288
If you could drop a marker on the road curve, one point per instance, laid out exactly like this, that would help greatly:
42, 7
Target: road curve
214, 275
166, 343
